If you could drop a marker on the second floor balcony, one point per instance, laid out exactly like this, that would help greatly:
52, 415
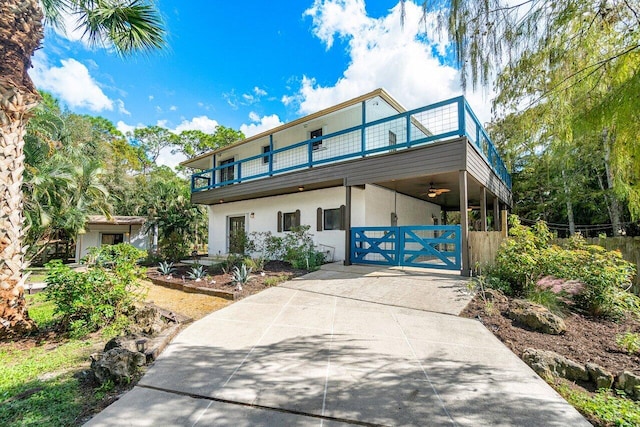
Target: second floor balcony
442, 121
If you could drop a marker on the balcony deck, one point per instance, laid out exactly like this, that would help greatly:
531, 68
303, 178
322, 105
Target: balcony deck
448, 120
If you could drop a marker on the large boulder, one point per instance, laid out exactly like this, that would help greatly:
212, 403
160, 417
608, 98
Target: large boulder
536, 317
629, 383
599, 376
548, 364
117, 365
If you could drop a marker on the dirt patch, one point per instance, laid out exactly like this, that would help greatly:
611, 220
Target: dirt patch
274, 272
587, 339
194, 306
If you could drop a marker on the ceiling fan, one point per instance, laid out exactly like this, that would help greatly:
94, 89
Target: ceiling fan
435, 192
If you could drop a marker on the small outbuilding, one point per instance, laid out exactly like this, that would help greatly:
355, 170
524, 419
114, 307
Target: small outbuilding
101, 230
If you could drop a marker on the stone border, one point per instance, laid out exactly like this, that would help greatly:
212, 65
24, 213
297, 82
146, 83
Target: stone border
232, 296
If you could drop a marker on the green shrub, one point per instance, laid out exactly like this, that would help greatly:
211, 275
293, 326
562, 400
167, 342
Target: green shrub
528, 255
269, 247
275, 280
174, 247
89, 300
549, 299
299, 249
604, 408
256, 264
629, 341
233, 260
239, 243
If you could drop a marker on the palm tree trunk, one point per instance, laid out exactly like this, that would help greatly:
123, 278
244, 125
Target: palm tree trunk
20, 35
13, 315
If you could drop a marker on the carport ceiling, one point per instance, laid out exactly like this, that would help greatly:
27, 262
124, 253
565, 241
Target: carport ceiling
419, 187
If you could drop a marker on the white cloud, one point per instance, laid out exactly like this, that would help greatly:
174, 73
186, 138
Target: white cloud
202, 123
70, 29
166, 158
151, 97
126, 128
121, 107
71, 82
259, 92
173, 108
260, 124
382, 54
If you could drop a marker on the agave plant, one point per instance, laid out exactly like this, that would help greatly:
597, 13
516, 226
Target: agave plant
197, 273
241, 275
166, 268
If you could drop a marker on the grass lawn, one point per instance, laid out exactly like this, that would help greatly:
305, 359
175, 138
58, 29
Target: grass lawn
40, 377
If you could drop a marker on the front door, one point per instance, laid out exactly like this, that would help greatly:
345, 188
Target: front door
237, 236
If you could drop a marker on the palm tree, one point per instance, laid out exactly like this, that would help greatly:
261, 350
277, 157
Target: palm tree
125, 25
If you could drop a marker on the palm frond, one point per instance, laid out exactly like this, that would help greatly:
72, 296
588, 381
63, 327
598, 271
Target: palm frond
129, 25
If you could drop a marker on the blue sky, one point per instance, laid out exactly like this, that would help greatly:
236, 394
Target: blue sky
254, 65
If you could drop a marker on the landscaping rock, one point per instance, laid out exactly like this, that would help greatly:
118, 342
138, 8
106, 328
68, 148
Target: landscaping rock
495, 295
629, 383
117, 365
121, 342
536, 317
601, 378
146, 320
548, 364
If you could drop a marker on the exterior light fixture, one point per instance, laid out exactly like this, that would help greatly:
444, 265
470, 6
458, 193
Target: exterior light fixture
301, 188
221, 201
252, 215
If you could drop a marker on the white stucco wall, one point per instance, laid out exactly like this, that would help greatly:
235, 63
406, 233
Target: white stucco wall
381, 202
93, 237
371, 206
265, 217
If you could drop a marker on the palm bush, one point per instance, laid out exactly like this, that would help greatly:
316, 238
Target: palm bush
241, 275
197, 273
166, 268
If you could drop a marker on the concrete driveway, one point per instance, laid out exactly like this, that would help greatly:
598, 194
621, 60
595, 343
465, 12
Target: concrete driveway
342, 346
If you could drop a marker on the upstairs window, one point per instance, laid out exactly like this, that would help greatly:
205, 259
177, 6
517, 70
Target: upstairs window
266, 150
316, 134
227, 173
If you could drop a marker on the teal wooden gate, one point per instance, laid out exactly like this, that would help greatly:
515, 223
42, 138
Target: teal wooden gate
429, 246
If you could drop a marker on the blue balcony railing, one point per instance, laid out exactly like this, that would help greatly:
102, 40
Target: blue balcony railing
437, 122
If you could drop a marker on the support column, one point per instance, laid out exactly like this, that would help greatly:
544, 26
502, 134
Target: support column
464, 222
504, 228
496, 214
347, 226
483, 209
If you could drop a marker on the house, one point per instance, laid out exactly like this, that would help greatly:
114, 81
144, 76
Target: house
371, 178
101, 230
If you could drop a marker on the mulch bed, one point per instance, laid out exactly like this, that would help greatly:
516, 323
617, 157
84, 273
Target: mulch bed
220, 284
587, 339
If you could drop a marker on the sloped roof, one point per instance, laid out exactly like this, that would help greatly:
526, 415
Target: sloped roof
116, 220
377, 92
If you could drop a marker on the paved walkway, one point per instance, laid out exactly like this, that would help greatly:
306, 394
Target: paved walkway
342, 346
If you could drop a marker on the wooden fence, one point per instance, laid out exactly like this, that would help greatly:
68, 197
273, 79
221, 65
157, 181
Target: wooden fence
629, 247
483, 246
